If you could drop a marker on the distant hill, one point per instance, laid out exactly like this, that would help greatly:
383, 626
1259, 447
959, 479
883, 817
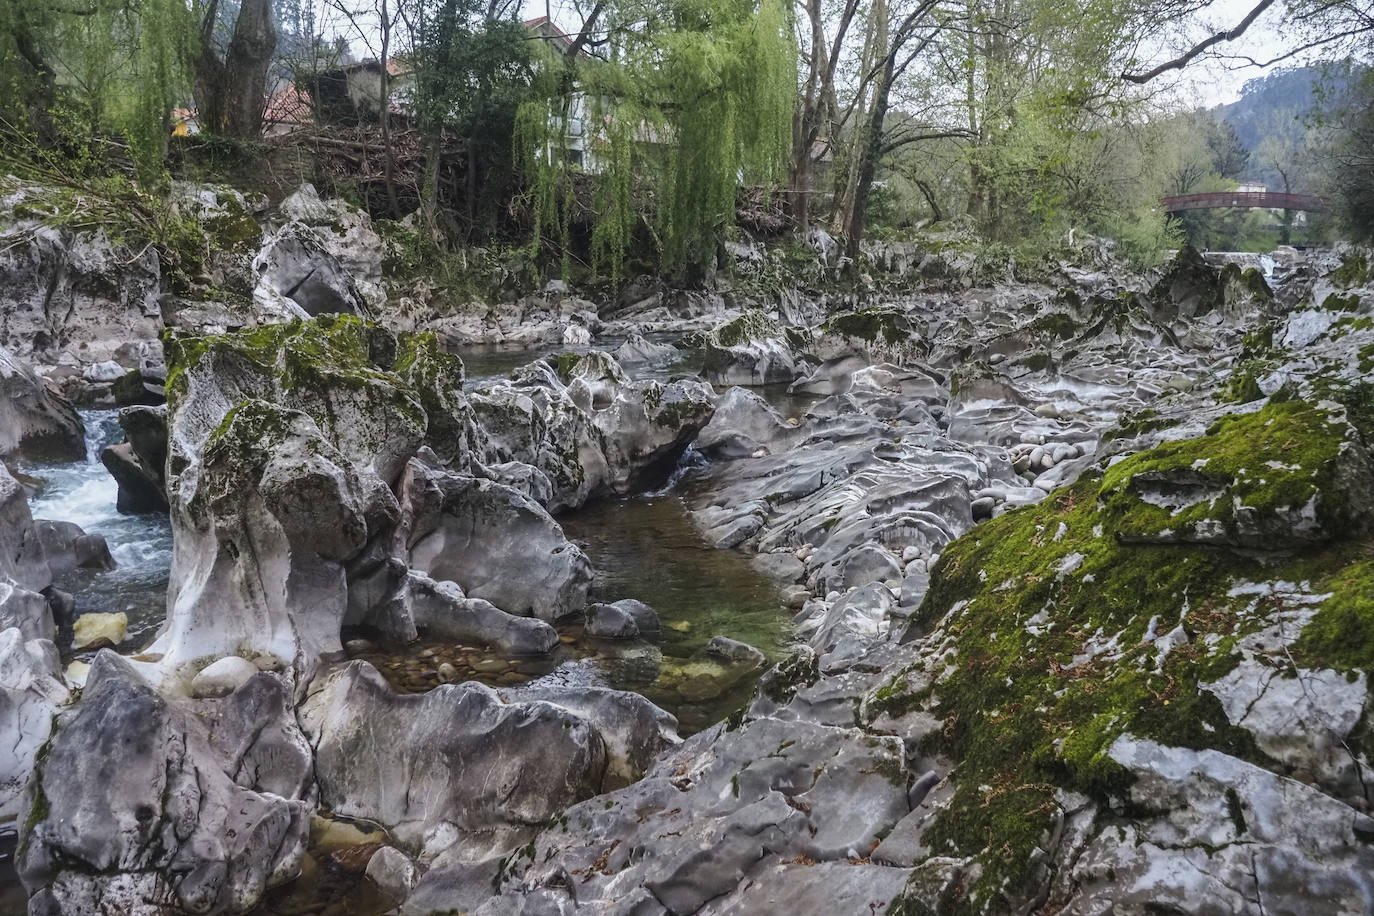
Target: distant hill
1285, 100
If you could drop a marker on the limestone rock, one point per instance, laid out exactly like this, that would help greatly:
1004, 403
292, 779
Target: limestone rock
221, 678
493, 541
142, 802
31, 690
386, 757
67, 547
99, 629
294, 264
33, 419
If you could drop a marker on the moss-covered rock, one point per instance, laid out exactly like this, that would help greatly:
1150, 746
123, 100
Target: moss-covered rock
376, 396
1055, 629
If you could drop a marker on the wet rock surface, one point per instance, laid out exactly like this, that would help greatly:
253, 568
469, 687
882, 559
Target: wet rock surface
1079, 578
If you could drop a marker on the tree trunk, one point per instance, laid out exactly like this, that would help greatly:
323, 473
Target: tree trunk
230, 93
868, 162
429, 196
384, 107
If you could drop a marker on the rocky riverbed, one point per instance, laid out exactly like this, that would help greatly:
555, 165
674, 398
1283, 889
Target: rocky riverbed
907, 593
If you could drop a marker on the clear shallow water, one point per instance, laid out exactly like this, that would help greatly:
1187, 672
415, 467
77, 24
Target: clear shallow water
484, 365
85, 493
648, 548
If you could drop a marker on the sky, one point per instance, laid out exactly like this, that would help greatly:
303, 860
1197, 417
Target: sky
1203, 83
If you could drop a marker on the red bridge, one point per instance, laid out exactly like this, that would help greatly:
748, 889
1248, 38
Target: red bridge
1270, 200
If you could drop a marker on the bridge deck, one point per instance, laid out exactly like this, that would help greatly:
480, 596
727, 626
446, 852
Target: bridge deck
1271, 200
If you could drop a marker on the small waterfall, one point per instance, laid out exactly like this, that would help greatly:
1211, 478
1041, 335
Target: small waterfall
83, 492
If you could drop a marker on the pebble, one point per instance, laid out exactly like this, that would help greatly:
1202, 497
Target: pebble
982, 508
1037, 455
910, 552
1047, 410
359, 646
491, 665
447, 673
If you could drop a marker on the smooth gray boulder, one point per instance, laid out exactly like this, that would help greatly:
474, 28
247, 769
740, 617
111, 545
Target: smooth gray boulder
295, 265
453, 763
31, 690
265, 516
35, 420
142, 802
492, 540
67, 547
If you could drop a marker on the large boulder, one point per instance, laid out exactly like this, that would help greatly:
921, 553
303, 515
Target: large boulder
139, 464
74, 289
295, 265
346, 233
265, 515
141, 802
33, 419
493, 541
453, 763
283, 441
31, 690
750, 350
25, 577
588, 427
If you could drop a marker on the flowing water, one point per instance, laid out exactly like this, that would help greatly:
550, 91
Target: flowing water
84, 492
645, 547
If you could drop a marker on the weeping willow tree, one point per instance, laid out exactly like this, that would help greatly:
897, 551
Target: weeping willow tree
692, 99
95, 71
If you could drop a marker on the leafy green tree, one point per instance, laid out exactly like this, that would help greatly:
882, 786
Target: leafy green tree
472, 72
691, 98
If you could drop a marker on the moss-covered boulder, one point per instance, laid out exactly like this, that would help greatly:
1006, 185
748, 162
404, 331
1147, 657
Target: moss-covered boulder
377, 397
1069, 647
750, 350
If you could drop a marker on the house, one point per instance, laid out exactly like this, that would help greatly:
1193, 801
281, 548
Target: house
578, 139
351, 93
287, 112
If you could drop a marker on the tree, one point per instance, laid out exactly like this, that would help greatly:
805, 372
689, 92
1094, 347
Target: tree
231, 87
1347, 157
473, 69
1333, 27
691, 98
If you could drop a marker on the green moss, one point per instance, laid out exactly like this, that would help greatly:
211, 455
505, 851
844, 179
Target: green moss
233, 227
1258, 342
1051, 607
1247, 284
1349, 325
1354, 271
1335, 302
1140, 423
1280, 456
872, 325
1055, 324
1242, 386
750, 326
1341, 636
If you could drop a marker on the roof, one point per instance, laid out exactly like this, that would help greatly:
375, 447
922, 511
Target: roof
289, 106
546, 28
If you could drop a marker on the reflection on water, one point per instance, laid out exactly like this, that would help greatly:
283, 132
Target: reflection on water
648, 548
85, 493
484, 365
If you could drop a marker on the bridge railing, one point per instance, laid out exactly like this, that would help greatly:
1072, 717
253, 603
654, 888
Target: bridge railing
1268, 200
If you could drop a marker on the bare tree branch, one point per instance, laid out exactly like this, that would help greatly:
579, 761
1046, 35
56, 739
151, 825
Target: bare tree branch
1178, 63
